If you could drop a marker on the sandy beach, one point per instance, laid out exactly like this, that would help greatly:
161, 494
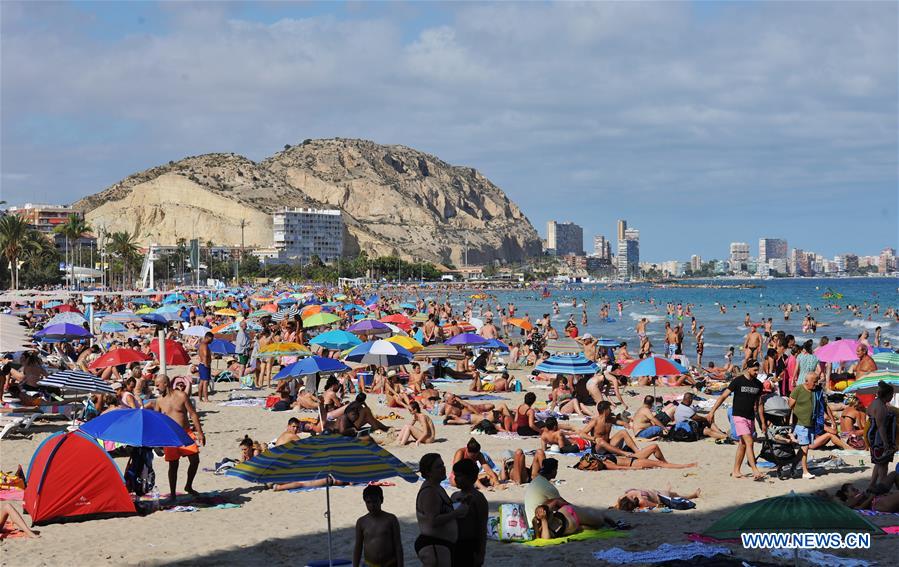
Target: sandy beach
281, 528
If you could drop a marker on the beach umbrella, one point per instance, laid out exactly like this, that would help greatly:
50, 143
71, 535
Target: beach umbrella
270, 307
867, 384
464, 325
123, 317
138, 427
62, 332
259, 314
398, 319
168, 308
77, 381
352, 307
331, 457
285, 313
431, 352
118, 357
407, 343
310, 310
66, 308
174, 298
838, 351
63, 318
196, 331
52, 304
336, 340
217, 303
319, 320
396, 330
888, 358
608, 343
520, 323
466, 339
145, 310
567, 364
369, 327
140, 301
276, 350
175, 355
476, 323
160, 318
494, 344
792, 513
653, 366
234, 326
228, 312
287, 301
310, 366
379, 353
407, 306
112, 327
218, 346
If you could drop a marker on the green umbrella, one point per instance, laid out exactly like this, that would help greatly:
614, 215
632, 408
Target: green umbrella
217, 303
319, 319
868, 383
890, 358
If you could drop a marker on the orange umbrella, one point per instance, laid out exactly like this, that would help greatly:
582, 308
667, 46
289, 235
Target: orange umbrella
521, 323
270, 307
310, 310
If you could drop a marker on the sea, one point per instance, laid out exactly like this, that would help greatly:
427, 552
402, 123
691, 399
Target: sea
722, 330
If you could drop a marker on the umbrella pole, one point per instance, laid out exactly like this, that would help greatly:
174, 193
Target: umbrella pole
328, 514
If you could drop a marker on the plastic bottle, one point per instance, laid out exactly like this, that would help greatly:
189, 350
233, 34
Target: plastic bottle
154, 495
518, 385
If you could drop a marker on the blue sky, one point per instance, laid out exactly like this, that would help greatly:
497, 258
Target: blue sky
700, 123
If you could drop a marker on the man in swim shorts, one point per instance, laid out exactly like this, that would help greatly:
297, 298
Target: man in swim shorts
176, 405
204, 366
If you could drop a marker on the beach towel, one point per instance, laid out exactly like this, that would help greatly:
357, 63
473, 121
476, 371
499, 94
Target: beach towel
665, 552
876, 513
819, 559
245, 403
482, 397
893, 530
603, 533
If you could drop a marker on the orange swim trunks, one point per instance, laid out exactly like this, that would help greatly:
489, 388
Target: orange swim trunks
175, 453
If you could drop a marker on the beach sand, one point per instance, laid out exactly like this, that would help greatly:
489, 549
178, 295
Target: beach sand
280, 528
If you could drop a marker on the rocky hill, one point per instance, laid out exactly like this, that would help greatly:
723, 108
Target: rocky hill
395, 200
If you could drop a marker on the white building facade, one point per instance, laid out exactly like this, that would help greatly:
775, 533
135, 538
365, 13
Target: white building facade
300, 234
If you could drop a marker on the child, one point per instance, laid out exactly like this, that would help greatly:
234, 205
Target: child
378, 532
471, 545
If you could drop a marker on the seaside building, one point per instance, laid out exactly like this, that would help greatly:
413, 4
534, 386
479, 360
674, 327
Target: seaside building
672, 268
300, 234
695, 263
563, 238
887, 261
44, 218
739, 256
628, 252
799, 264
602, 247
772, 249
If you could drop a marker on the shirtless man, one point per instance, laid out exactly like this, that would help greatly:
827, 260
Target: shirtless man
865, 364
599, 430
552, 435
429, 331
176, 405
752, 345
472, 450
644, 422
292, 433
589, 344
670, 340
488, 331
377, 533
641, 328
204, 366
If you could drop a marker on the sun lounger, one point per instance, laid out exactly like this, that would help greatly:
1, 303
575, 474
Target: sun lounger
15, 422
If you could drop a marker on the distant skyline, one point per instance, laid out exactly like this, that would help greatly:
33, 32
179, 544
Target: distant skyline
700, 123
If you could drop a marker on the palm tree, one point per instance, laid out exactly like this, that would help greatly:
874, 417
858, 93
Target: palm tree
73, 229
122, 246
13, 231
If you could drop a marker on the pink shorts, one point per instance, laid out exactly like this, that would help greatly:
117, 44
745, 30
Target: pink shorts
743, 426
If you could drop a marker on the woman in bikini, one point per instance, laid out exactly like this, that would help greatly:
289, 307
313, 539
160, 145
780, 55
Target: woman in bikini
638, 498
563, 401
436, 516
854, 498
613, 462
420, 428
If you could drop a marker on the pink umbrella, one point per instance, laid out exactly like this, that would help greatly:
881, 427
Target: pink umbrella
839, 351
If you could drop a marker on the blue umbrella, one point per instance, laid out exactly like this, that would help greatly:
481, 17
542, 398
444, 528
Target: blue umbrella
466, 339
123, 317
112, 327
379, 353
62, 332
174, 298
141, 301
407, 306
349, 307
52, 304
567, 364
138, 428
336, 340
286, 301
608, 343
494, 344
168, 308
311, 365
219, 346
653, 366
160, 318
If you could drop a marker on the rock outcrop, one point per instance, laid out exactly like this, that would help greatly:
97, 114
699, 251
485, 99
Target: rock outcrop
395, 200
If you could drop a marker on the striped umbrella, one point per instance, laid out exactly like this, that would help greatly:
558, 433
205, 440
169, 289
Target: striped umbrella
369, 327
567, 364
466, 339
285, 313
653, 366
868, 383
320, 320
112, 327
432, 352
336, 340
276, 350
310, 366
889, 358
379, 353
77, 381
332, 457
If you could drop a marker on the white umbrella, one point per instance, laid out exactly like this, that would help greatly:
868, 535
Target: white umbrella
396, 330
476, 323
67, 317
196, 331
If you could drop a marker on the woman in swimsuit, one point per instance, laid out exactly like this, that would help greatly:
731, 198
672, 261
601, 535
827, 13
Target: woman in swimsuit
858, 500
637, 498
436, 516
420, 428
612, 462
526, 417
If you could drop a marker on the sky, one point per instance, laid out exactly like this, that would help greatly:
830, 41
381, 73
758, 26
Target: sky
699, 123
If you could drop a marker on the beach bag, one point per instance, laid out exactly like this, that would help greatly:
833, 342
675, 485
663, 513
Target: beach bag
687, 431
589, 462
676, 502
881, 441
663, 417
139, 475
513, 523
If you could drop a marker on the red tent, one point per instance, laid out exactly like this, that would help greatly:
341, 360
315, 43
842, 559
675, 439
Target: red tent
72, 477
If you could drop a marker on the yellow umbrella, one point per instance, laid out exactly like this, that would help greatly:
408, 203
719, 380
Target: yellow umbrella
275, 350
229, 312
407, 343
143, 310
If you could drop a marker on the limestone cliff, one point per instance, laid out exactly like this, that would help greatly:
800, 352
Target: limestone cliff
395, 200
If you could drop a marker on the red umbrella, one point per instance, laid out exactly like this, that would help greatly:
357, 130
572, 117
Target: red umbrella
399, 320
175, 355
118, 357
66, 308
270, 307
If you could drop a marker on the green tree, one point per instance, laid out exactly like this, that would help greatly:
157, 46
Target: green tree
13, 232
125, 252
40, 260
73, 229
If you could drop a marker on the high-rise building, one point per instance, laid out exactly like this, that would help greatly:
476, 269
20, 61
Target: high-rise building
300, 234
799, 264
44, 218
696, 263
602, 247
622, 226
772, 249
886, 263
739, 256
628, 252
563, 238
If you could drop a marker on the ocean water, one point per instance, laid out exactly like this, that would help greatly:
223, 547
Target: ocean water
721, 329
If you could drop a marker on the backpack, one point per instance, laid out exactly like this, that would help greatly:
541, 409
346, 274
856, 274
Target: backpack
139, 476
880, 441
687, 431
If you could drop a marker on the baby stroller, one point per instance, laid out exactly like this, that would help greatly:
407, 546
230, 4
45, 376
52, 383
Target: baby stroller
778, 446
